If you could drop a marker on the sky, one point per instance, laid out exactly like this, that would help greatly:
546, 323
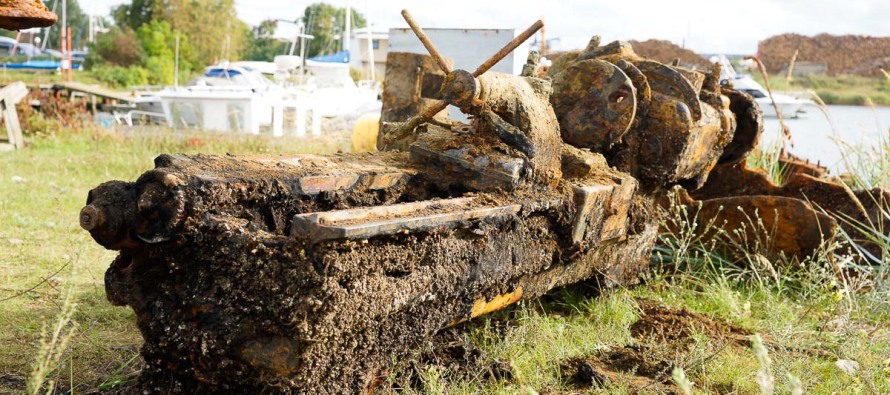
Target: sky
705, 26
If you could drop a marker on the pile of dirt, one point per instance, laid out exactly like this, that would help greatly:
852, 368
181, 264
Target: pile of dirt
666, 52
662, 336
849, 54
455, 358
659, 324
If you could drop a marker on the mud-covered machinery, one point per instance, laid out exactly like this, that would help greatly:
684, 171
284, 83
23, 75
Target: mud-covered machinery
313, 274
667, 126
25, 14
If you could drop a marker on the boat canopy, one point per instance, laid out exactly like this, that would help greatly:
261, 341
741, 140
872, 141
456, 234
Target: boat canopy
222, 72
339, 57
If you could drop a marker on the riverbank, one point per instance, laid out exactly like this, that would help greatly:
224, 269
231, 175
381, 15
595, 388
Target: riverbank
695, 311
845, 89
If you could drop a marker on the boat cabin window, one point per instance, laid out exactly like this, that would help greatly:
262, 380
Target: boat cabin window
754, 93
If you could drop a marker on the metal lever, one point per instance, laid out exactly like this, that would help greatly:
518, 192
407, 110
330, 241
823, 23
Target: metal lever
434, 109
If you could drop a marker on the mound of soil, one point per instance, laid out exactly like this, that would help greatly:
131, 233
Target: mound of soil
659, 324
665, 52
455, 358
660, 332
849, 54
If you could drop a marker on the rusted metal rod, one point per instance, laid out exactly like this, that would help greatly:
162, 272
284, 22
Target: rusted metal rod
434, 109
494, 59
430, 47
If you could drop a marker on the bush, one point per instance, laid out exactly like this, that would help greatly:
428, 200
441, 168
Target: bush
121, 77
829, 97
119, 47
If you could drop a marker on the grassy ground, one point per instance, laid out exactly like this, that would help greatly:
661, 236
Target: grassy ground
43, 250
844, 89
808, 319
44, 77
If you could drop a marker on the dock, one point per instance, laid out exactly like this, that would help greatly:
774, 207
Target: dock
95, 92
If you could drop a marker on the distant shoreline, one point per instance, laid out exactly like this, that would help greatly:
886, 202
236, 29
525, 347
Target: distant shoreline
837, 90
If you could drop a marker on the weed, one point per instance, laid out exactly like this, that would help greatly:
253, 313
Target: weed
54, 341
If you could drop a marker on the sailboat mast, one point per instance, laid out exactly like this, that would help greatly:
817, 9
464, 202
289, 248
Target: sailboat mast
48, 29
348, 26
64, 29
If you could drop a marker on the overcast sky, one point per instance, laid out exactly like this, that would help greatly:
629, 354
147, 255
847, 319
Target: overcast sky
706, 26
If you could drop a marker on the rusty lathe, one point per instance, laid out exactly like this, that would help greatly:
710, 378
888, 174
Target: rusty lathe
313, 274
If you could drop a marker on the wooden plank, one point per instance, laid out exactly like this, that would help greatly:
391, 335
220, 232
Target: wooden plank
14, 92
13, 128
363, 223
9, 96
95, 90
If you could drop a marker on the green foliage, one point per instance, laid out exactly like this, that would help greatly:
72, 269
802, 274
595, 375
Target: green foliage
159, 45
121, 77
212, 27
326, 23
841, 89
77, 22
263, 46
134, 14
119, 47
123, 58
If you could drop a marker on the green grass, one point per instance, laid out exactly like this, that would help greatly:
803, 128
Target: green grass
844, 89
41, 191
807, 317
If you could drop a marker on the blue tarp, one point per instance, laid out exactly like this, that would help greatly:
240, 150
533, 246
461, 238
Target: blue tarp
38, 65
339, 57
222, 73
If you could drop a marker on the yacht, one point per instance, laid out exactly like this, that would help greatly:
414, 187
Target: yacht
790, 106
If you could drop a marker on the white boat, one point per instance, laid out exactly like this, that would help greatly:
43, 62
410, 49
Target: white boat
238, 97
223, 99
790, 106
241, 99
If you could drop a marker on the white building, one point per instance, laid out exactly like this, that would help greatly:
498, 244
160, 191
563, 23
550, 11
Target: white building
467, 47
360, 56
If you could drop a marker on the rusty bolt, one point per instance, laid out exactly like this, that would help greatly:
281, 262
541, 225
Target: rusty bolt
91, 218
460, 88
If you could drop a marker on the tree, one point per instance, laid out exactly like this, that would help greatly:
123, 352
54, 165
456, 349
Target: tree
134, 14
212, 26
158, 44
78, 22
326, 23
263, 45
118, 47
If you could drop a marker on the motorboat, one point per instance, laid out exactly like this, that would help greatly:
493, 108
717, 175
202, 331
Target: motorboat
241, 99
789, 106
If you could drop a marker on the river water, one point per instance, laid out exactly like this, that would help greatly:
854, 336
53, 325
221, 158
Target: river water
815, 139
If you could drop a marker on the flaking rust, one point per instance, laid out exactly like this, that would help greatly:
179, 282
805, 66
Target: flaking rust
311, 274
25, 14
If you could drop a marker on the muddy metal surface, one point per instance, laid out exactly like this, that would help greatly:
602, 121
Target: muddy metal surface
25, 14
227, 298
313, 274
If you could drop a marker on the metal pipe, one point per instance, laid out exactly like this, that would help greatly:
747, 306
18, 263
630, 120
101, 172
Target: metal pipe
494, 59
430, 47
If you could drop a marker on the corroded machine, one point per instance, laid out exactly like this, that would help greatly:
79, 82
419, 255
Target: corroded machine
25, 14
312, 274
668, 126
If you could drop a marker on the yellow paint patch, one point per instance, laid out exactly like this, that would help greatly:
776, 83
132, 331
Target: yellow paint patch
484, 307
499, 302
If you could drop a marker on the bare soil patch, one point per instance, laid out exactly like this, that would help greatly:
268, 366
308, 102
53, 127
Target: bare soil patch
663, 338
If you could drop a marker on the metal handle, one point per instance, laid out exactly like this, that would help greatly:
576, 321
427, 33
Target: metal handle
425, 40
434, 109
